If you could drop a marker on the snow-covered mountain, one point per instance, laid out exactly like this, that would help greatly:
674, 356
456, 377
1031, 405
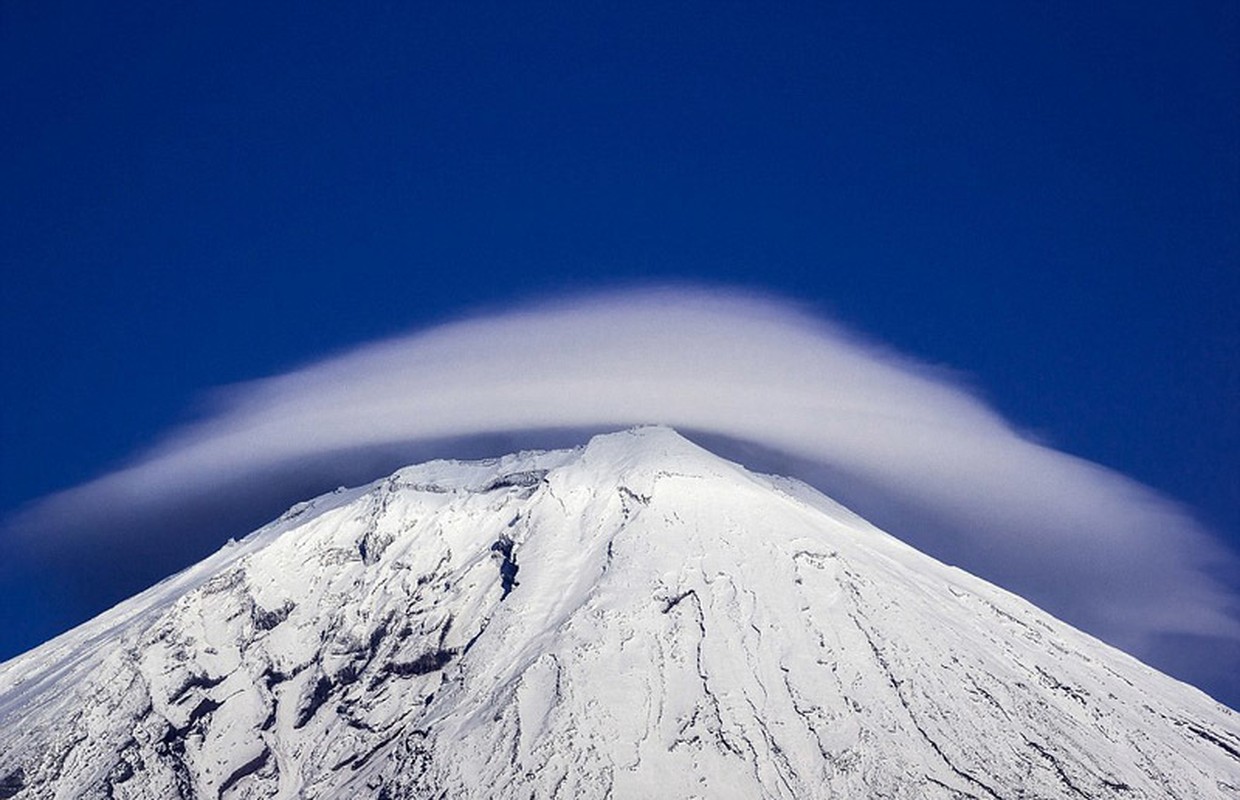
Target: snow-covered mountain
636, 618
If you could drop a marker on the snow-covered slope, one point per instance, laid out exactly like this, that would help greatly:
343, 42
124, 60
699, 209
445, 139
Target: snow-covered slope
636, 618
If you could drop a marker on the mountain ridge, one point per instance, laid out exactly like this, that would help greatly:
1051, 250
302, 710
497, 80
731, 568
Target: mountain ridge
634, 617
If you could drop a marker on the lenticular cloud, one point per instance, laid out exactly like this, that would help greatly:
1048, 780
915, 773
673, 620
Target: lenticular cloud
1088, 544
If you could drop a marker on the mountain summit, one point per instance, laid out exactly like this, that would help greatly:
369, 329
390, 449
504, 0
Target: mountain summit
635, 618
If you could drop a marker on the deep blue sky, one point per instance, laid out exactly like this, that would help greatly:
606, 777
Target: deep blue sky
1043, 196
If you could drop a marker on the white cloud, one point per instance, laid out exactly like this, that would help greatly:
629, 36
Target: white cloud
1083, 541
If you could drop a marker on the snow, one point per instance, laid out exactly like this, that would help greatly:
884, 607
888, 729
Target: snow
678, 627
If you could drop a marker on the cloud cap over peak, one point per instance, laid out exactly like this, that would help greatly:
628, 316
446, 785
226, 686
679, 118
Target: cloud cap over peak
903, 442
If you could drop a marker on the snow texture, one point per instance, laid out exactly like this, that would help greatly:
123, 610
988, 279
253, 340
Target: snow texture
635, 618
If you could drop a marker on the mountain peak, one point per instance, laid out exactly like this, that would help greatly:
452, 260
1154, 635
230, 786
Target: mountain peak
636, 617
651, 448
651, 441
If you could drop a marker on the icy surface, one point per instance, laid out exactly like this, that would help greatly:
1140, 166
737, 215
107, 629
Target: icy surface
636, 618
